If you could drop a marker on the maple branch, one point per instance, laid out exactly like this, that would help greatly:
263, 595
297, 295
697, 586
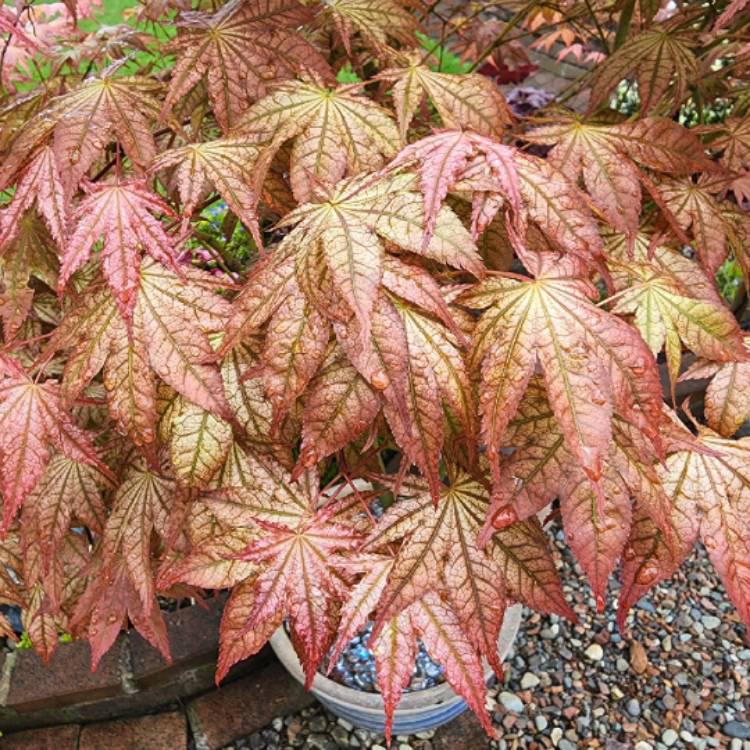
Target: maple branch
599, 29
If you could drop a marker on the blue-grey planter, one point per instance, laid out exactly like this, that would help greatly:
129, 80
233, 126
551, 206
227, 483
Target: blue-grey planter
417, 712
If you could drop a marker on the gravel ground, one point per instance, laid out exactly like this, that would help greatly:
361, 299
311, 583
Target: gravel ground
679, 679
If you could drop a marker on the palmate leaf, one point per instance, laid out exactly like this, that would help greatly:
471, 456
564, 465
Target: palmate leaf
228, 165
39, 185
31, 255
659, 59
295, 344
462, 101
376, 21
609, 158
588, 360
236, 640
647, 558
211, 558
251, 410
649, 249
339, 406
439, 553
526, 188
198, 443
172, 321
351, 231
335, 133
297, 556
32, 420
452, 592
67, 489
710, 490
96, 337
109, 601
529, 570
695, 209
727, 399
415, 362
666, 315
543, 467
83, 121
176, 317
734, 141
142, 503
240, 49
394, 650
120, 214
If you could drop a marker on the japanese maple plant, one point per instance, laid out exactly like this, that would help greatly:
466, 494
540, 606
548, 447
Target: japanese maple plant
267, 263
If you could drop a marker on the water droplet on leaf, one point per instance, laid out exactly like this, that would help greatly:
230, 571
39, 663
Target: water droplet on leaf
380, 380
504, 517
647, 574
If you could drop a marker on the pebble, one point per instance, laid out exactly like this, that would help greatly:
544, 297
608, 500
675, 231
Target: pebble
669, 737
540, 723
737, 729
529, 680
511, 702
556, 735
643, 745
320, 742
595, 652
633, 707
638, 658
710, 622
318, 724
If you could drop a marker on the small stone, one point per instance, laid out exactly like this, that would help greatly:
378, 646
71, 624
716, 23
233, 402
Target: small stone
511, 702
633, 707
340, 734
556, 735
669, 701
344, 723
540, 723
638, 658
736, 729
317, 724
529, 680
669, 737
551, 632
320, 742
566, 745
642, 745
595, 652
621, 664
710, 622
278, 724
404, 746
735, 744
